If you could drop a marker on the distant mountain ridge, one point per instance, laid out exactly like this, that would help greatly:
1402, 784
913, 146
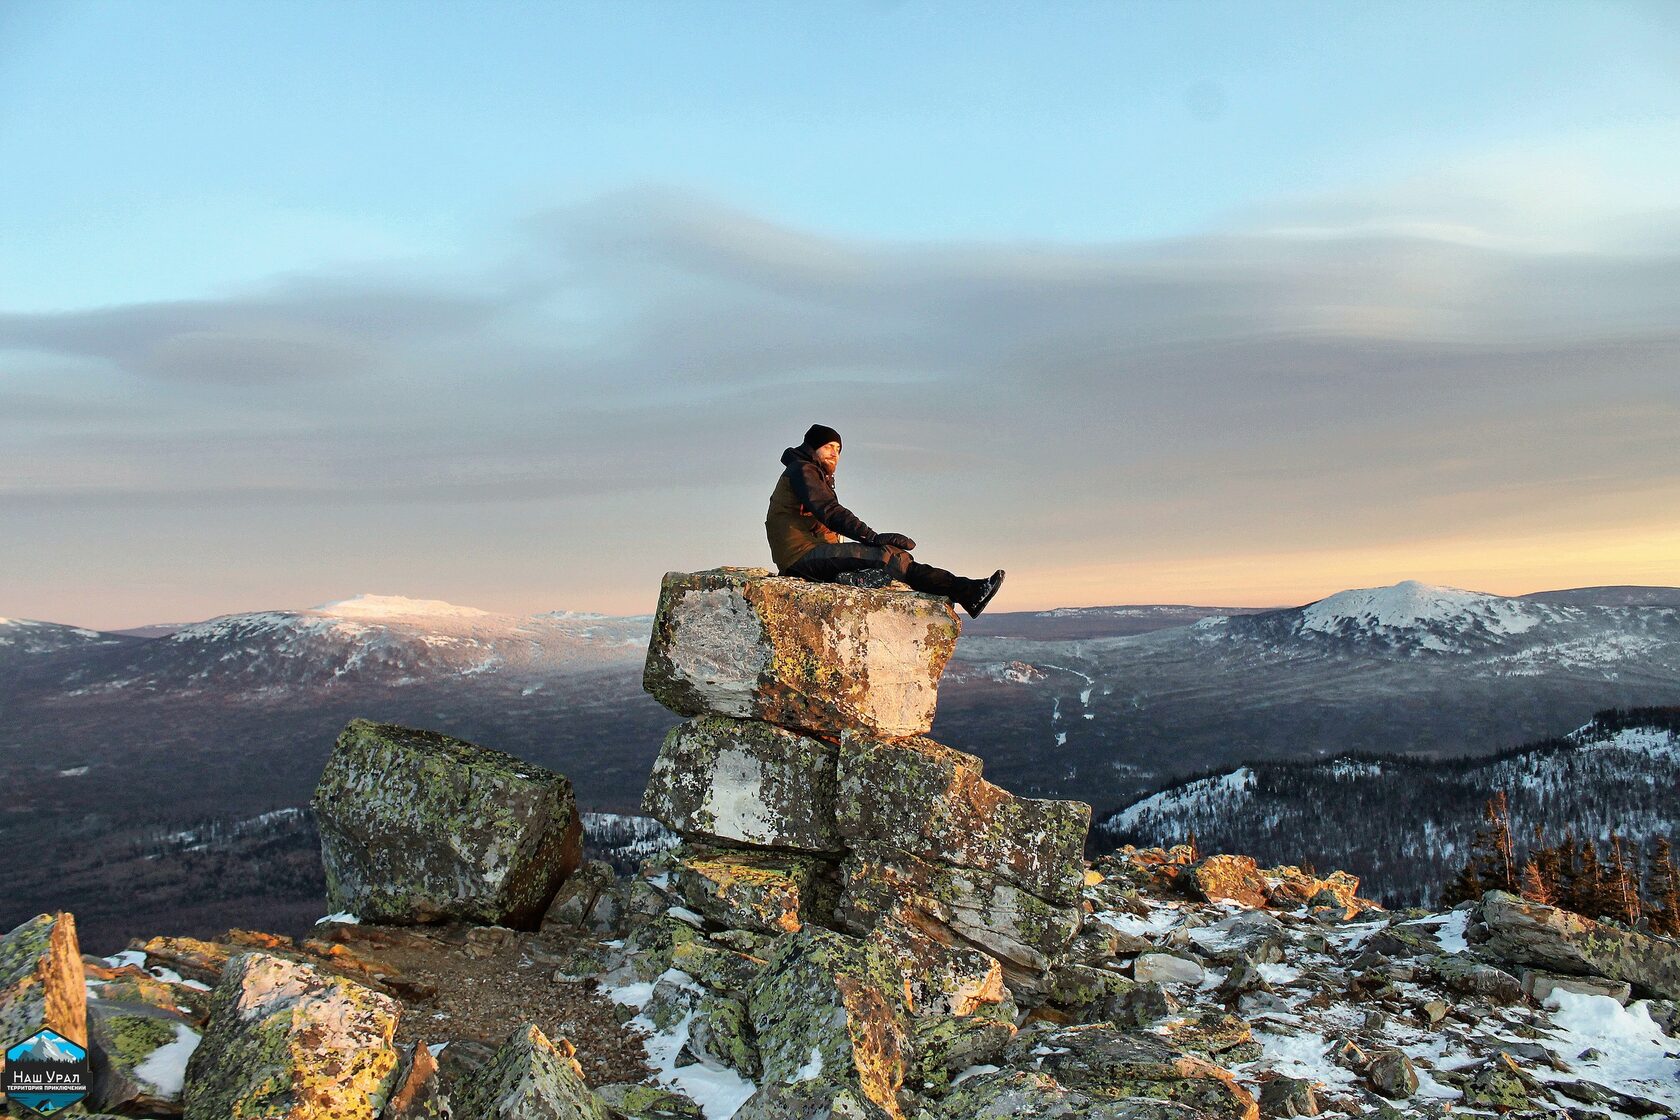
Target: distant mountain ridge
1407, 823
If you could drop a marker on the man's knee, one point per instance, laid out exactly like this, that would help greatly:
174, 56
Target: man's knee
894, 560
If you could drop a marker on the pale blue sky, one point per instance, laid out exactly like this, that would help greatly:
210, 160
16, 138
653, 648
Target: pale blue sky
240, 240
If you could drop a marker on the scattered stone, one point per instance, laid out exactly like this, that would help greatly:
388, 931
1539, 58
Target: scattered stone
122, 1038
1165, 968
418, 1092
284, 1041
812, 656
419, 827
1021, 929
1221, 878
1461, 974
1106, 1062
720, 1036
585, 901
1390, 1073
811, 1099
1286, 1097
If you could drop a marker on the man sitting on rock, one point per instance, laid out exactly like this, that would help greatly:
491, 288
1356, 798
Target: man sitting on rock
806, 522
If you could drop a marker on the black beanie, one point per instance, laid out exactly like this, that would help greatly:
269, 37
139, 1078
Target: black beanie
820, 434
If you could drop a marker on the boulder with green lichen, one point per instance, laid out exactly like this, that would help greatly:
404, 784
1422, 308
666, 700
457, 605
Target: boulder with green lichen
648, 1102
1024, 931
810, 1100
745, 781
1104, 1061
42, 981
1516, 931
767, 892
818, 657
923, 797
529, 1078
827, 1006
421, 827
284, 1041
721, 1036
140, 1051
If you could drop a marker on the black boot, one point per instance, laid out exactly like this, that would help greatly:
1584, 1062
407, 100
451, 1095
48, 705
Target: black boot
986, 588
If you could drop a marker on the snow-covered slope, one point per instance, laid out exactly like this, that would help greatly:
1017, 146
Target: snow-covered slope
1407, 821
26, 637
1435, 618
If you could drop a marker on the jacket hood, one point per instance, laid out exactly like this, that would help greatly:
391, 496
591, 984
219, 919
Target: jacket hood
801, 454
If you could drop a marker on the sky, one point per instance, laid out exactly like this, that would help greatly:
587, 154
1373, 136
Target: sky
517, 305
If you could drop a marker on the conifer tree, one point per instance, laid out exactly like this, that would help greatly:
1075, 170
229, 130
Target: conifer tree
1569, 873
1535, 888
1664, 886
1499, 858
1621, 884
1589, 883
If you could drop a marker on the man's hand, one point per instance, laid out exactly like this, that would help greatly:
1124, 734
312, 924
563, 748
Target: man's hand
895, 540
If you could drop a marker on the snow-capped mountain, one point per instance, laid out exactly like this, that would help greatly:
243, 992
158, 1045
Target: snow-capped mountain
369, 638
1407, 822
1413, 619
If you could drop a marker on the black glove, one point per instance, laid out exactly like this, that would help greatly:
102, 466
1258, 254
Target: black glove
895, 540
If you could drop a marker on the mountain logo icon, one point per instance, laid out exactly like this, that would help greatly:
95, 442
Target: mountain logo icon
46, 1072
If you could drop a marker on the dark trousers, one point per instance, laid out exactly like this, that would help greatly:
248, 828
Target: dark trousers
826, 561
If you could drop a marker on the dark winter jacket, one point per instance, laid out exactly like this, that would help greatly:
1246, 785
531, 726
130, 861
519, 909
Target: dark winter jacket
805, 513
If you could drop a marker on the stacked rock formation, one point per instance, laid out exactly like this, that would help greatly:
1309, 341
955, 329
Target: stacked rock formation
813, 808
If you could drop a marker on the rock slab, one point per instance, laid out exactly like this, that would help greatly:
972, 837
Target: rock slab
817, 657
419, 827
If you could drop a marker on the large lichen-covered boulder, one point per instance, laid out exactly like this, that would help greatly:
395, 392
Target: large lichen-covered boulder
1527, 933
1019, 928
529, 1078
420, 827
746, 781
288, 1043
827, 1006
141, 1053
769, 892
815, 656
923, 797
42, 982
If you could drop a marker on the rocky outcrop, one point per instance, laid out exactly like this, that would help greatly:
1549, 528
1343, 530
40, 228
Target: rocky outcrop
1519, 932
828, 806
813, 656
421, 827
